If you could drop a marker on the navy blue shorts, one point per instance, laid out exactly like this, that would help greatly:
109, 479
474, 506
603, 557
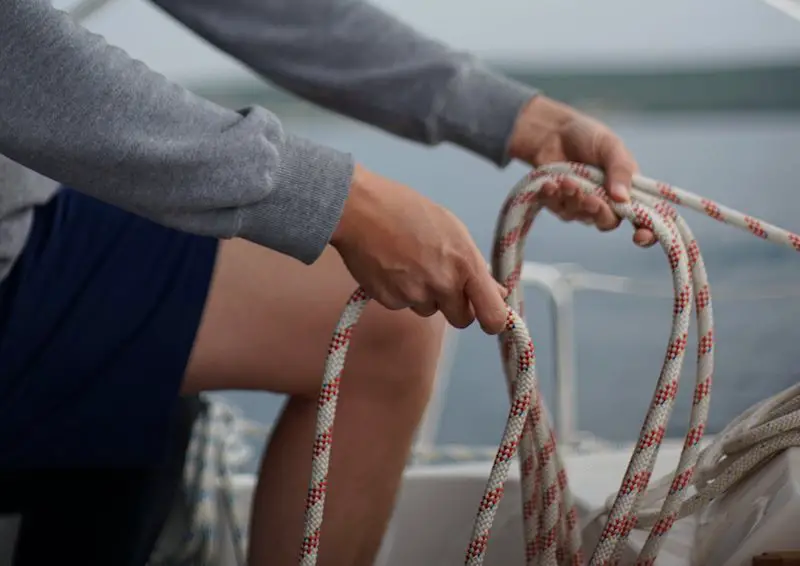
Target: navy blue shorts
97, 321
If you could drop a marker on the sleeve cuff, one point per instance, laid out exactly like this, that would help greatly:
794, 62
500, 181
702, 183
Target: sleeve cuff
481, 110
305, 203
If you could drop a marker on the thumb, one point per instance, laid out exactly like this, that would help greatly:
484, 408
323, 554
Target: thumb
619, 167
503, 291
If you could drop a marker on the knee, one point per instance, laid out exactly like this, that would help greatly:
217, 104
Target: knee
397, 353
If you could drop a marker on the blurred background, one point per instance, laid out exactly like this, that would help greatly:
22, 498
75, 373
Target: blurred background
706, 94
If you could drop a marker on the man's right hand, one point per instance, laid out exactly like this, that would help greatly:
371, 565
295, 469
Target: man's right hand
407, 251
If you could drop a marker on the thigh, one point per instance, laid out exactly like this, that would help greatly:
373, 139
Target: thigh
269, 320
97, 320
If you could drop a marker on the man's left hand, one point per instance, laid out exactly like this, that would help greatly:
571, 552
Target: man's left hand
547, 132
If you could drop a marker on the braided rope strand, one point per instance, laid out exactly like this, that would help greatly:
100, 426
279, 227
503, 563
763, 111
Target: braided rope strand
334, 364
522, 204
542, 472
525, 395
549, 514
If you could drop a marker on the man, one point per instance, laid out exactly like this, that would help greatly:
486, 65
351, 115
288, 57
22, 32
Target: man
105, 316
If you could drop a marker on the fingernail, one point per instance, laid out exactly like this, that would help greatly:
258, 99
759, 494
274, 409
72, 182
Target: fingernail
645, 242
619, 191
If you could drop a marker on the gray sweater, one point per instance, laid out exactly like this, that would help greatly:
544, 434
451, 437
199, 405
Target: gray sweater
79, 111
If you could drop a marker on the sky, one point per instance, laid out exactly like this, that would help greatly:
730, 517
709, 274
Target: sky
544, 34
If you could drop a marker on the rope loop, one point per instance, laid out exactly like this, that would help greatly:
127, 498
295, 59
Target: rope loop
552, 533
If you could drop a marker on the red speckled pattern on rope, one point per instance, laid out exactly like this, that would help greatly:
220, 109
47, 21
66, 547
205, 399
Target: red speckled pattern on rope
552, 532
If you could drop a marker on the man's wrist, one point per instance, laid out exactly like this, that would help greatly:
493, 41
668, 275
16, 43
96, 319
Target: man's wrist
303, 199
358, 188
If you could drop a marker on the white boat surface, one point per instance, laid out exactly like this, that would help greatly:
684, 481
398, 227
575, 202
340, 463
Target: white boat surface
436, 507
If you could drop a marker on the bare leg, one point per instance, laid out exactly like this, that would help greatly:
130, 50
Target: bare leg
267, 326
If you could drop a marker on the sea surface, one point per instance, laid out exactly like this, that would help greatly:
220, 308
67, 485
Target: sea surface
748, 162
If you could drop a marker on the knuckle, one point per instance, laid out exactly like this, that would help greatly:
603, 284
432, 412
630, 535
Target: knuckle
461, 320
609, 223
591, 208
425, 311
417, 296
388, 299
447, 281
468, 268
393, 304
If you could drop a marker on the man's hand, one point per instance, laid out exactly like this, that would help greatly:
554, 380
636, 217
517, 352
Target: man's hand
407, 251
548, 131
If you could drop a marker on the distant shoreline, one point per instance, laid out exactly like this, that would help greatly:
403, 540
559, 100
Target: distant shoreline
771, 87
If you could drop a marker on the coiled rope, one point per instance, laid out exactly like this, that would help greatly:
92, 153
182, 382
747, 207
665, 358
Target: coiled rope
218, 446
750, 440
549, 514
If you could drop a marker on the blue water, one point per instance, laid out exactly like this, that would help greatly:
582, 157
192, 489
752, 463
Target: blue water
748, 162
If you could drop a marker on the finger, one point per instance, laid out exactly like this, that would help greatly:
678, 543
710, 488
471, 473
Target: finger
548, 190
605, 218
619, 166
457, 309
570, 186
573, 201
644, 238
426, 310
553, 203
389, 300
490, 307
591, 204
561, 202
502, 290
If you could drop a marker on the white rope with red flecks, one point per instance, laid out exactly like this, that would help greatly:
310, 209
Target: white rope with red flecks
550, 517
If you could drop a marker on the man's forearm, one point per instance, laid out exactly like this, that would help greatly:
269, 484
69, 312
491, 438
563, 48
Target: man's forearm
354, 58
84, 113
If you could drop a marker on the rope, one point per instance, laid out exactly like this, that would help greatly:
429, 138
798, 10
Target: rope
549, 514
217, 446
748, 442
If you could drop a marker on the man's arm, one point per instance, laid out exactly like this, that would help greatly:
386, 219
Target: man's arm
79, 111
354, 58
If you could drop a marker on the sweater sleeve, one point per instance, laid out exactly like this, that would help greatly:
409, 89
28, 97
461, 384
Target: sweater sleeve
355, 58
82, 112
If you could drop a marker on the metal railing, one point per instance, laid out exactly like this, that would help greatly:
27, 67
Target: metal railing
560, 282
789, 7
557, 281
